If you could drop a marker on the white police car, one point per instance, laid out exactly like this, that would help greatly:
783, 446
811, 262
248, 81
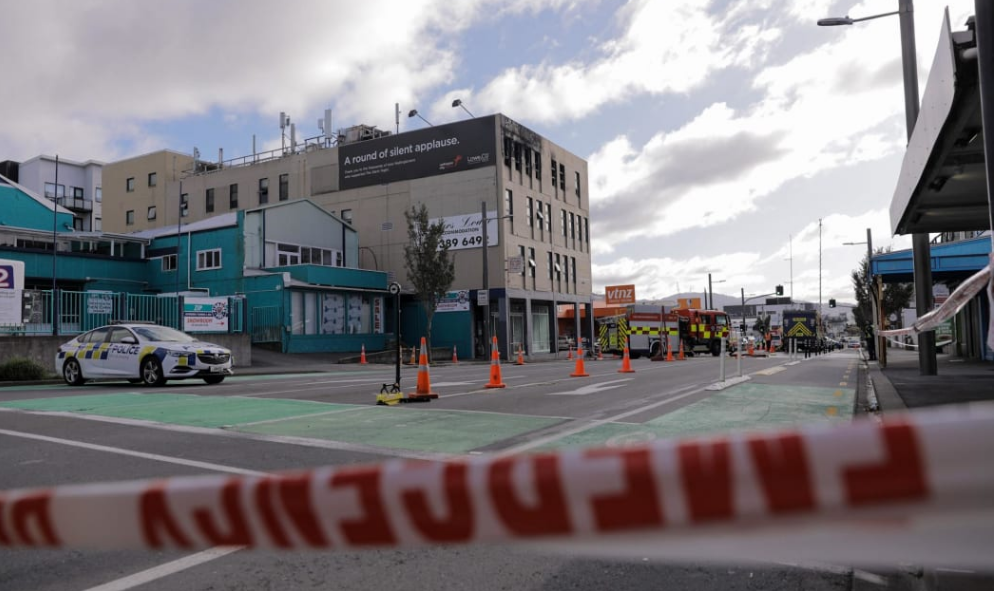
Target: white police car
141, 353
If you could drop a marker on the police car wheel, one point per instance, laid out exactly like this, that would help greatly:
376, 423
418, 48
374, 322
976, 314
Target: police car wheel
214, 379
152, 372
72, 374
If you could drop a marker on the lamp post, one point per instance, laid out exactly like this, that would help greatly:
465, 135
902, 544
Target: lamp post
709, 278
415, 113
923, 297
459, 103
55, 249
874, 352
484, 268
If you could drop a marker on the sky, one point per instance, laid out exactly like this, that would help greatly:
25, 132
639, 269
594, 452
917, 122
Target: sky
733, 140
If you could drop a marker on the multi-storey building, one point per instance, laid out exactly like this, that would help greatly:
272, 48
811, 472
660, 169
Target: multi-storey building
532, 192
75, 185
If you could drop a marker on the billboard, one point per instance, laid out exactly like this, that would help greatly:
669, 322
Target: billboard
464, 231
442, 149
620, 294
454, 301
205, 314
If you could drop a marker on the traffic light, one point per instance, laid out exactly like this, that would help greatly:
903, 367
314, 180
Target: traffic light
778, 290
832, 302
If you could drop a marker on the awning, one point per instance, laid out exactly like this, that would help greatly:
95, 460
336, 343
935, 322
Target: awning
949, 261
942, 185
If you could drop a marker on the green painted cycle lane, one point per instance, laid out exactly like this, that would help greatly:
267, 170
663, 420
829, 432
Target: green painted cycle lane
746, 406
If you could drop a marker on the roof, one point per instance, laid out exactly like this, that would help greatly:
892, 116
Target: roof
223, 220
942, 185
949, 261
48, 203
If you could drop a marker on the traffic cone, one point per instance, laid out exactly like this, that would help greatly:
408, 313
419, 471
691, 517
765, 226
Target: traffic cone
422, 389
580, 364
599, 355
771, 348
681, 351
495, 377
412, 361
626, 362
363, 355
670, 357
569, 354
519, 358
455, 354
751, 348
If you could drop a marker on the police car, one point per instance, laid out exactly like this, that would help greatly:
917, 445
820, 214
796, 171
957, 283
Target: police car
141, 353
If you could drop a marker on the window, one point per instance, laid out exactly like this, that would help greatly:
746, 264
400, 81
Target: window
536, 165
571, 224
574, 272
522, 255
209, 200
550, 265
209, 259
183, 205
578, 185
130, 184
78, 224
130, 217
533, 262
347, 216
152, 179
528, 157
547, 216
150, 214
553, 173
529, 211
282, 188
55, 191
560, 168
564, 223
264, 185
233, 196
586, 230
97, 225
169, 263
288, 254
98, 194
518, 155
508, 201
77, 192
579, 231
507, 150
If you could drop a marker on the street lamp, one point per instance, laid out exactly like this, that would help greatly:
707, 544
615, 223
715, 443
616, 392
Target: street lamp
55, 249
415, 113
459, 103
484, 268
923, 296
874, 317
709, 278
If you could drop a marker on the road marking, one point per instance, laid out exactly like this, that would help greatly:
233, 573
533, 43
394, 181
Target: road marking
591, 389
291, 418
136, 454
443, 384
326, 388
679, 394
842, 383
167, 569
839, 393
832, 411
770, 371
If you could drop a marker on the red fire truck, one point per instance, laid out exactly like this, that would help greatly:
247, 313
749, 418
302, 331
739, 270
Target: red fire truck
645, 329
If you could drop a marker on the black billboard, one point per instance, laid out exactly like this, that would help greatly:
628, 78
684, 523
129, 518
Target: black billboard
453, 147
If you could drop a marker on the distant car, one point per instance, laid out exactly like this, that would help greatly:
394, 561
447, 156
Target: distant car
854, 345
141, 353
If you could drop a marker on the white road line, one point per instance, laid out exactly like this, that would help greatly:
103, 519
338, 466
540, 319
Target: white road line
136, 454
680, 394
167, 569
294, 417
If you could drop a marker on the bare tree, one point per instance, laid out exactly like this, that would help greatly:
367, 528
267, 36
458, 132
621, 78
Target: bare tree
428, 263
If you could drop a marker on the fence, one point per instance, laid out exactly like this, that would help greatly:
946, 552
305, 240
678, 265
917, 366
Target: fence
76, 312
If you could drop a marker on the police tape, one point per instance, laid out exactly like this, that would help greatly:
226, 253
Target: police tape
697, 494
955, 302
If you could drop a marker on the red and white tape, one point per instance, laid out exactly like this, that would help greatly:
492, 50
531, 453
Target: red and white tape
935, 464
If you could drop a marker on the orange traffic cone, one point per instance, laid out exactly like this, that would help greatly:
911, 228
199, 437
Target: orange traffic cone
681, 351
455, 354
626, 362
771, 348
569, 354
422, 389
751, 348
363, 355
580, 363
670, 357
519, 358
412, 361
495, 377
598, 356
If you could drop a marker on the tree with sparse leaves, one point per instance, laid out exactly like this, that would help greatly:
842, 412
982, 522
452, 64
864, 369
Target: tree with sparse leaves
896, 296
428, 263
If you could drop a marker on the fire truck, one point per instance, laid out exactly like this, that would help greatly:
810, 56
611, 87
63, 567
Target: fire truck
648, 330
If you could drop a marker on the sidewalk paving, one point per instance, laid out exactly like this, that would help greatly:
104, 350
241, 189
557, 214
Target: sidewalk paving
900, 385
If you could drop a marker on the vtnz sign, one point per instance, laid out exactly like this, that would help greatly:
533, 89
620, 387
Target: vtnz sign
620, 294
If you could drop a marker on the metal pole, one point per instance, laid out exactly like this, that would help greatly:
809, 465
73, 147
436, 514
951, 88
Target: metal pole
985, 65
744, 320
484, 274
55, 249
723, 351
874, 317
177, 270
739, 374
709, 277
398, 340
923, 296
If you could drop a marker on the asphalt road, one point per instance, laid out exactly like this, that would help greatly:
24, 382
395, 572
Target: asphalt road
53, 435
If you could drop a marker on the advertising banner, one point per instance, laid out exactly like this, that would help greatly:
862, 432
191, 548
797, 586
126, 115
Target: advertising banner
464, 231
205, 314
11, 288
415, 154
455, 301
620, 294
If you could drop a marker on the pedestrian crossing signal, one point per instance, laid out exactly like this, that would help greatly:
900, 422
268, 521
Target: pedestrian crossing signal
778, 290
832, 302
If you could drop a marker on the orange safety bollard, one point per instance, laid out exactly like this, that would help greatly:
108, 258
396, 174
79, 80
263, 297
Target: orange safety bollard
751, 348
363, 355
495, 375
670, 357
626, 362
681, 351
519, 358
422, 389
579, 364
455, 354
569, 354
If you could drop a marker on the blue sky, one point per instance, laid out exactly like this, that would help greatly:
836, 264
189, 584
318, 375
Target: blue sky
717, 133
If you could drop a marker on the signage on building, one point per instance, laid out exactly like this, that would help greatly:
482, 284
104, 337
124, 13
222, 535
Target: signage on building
432, 151
689, 303
455, 301
205, 314
464, 231
100, 303
516, 265
378, 315
620, 294
11, 290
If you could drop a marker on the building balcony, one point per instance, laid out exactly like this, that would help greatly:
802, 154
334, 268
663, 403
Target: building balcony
76, 203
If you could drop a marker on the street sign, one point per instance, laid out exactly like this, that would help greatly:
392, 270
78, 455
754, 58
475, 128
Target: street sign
482, 297
515, 265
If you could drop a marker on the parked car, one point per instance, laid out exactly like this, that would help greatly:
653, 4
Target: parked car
141, 353
565, 342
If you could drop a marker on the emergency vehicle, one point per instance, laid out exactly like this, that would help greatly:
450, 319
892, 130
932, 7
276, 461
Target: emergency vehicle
646, 328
